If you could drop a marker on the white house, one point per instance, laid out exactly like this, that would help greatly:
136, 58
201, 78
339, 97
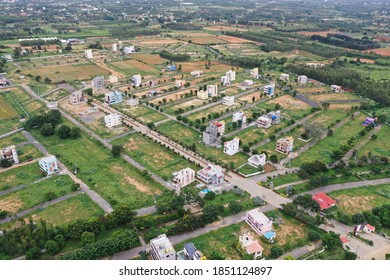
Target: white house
137, 80
302, 79
49, 165
112, 79
269, 90
225, 80
285, 77
264, 122
335, 88
196, 73
203, 95
112, 120
260, 223
228, 100
88, 54
254, 72
231, 74
257, 160
180, 83
113, 97
239, 116
232, 147
129, 49
98, 82
212, 175
315, 65
114, 47
212, 90
161, 248
10, 154
250, 246
183, 177
368, 228
285, 145
77, 97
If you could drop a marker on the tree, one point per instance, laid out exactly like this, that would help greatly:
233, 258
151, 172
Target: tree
5, 163
47, 80
52, 247
87, 238
273, 158
64, 132
325, 105
210, 195
246, 149
33, 253
75, 132
38, 78
211, 213
47, 129
215, 255
235, 207
276, 252
50, 195
151, 125
358, 218
169, 201
116, 150
348, 255
331, 240
313, 235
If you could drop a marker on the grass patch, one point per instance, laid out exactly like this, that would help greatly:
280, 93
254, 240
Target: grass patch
20, 176
179, 132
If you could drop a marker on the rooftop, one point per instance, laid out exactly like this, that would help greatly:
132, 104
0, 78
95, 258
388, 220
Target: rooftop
323, 200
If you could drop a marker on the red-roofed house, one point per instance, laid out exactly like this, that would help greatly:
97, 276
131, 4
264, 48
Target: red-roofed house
344, 241
323, 200
369, 228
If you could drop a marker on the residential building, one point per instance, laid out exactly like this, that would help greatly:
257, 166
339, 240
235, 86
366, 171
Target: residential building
247, 83
212, 90
132, 102
3, 81
254, 72
344, 241
171, 68
88, 54
323, 200
250, 246
129, 49
98, 82
77, 97
114, 47
228, 100
112, 79
52, 105
112, 120
162, 249
180, 83
210, 135
370, 121
232, 147
335, 88
196, 73
136, 80
203, 95
284, 77
113, 97
285, 145
190, 253
239, 116
260, 223
220, 127
228, 78
269, 90
120, 44
211, 175
264, 121
183, 177
49, 165
225, 80
315, 65
10, 154
257, 160
368, 228
302, 79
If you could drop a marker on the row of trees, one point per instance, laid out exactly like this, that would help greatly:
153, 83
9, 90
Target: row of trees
174, 56
346, 42
126, 33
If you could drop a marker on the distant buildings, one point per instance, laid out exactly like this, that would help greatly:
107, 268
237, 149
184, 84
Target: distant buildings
196, 73
285, 145
271, 118
190, 253
228, 101
3, 81
112, 79
211, 175
171, 68
210, 135
239, 116
113, 97
232, 147
132, 102
269, 90
162, 249
129, 49
114, 47
257, 160
228, 78
315, 65
98, 82
302, 79
52, 105
136, 80
284, 77
180, 83
323, 200
88, 54
247, 83
254, 72
49, 165
9, 153
112, 120
203, 95
212, 90
260, 224
250, 246
77, 97
335, 88
183, 177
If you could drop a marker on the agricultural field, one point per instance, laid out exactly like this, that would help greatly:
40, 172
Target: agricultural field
379, 146
179, 132
142, 113
312, 89
290, 106
153, 59
217, 109
21, 175
6, 109
216, 66
203, 38
132, 67
185, 106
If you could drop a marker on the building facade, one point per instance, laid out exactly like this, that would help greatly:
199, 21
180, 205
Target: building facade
239, 116
285, 145
212, 90
196, 73
254, 72
210, 135
77, 97
88, 54
49, 165
112, 120
302, 79
9, 153
129, 49
269, 90
183, 177
162, 249
211, 175
257, 160
228, 100
98, 82
113, 97
136, 80
231, 147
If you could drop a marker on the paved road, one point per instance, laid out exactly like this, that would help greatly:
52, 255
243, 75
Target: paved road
33, 141
11, 133
306, 100
299, 252
146, 211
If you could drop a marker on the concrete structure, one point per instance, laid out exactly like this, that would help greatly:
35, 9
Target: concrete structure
114, 47
210, 135
259, 222
220, 127
88, 54
171, 68
284, 77
129, 49
77, 97
231, 147
269, 90
98, 82
231, 74
136, 80
264, 121
368, 228
323, 200
239, 116
183, 177
162, 249
225, 81
250, 246
3, 81
315, 65
211, 175
49, 165
190, 253
370, 121
212, 90
203, 95
132, 102
335, 88
196, 73
228, 100
285, 145
254, 72
112, 79
52, 105
257, 160
113, 97
120, 44
10, 154
112, 120
302, 79
247, 83
180, 83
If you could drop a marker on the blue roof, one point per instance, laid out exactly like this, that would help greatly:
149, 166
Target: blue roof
269, 234
190, 248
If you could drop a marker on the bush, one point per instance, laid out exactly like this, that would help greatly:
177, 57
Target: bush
33, 254
87, 238
210, 196
52, 247
313, 236
276, 252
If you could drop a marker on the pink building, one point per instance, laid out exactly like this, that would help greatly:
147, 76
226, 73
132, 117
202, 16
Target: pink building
183, 177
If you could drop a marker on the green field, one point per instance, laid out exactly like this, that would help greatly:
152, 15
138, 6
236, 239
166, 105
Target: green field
14, 139
179, 132
35, 194
19, 176
379, 146
142, 113
28, 152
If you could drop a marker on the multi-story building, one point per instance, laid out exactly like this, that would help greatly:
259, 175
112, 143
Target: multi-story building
49, 165
114, 47
335, 88
196, 73
259, 223
225, 80
257, 160
231, 147
285, 145
129, 49
302, 79
254, 72
210, 135
250, 245
211, 175
228, 78
98, 82
269, 90
228, 100
264, 122
180, 83
162, 249
9, 153
284, 77
220, 127
77, 97
113, 97
136, 80
183, 177
203, 95
88, 54
212, 90
239, 116
190, 253
112, 120
112, 79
